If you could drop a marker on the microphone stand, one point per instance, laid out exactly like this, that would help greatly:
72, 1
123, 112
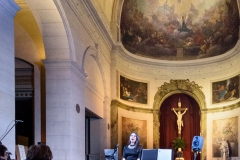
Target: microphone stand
16, 121
195, 154
9, 153
112, 155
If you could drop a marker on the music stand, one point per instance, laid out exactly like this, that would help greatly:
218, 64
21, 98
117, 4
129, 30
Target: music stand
111, 154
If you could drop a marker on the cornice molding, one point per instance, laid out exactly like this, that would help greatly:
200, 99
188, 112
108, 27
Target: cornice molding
221, 109
179, 64
131, 108
64, 65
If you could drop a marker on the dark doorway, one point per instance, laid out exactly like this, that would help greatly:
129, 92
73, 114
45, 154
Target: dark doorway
24, 102
90, 135
25, 130
168, 122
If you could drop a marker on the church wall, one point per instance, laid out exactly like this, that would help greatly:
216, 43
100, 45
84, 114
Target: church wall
154, 72
92, 55
80, 34
64, 85
202, 72
8, 11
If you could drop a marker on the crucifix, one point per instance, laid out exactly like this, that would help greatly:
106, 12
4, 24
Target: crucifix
179, 113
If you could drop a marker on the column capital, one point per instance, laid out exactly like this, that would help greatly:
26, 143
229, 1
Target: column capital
64, 65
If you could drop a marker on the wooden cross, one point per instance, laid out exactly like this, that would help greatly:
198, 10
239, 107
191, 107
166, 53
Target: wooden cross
179, 114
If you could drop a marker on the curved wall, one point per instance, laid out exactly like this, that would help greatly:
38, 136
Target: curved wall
203, 72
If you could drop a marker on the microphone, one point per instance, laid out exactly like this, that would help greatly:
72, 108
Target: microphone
19, 120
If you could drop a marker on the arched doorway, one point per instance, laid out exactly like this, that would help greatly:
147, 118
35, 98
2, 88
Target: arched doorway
168, 125
179, 87
24, 102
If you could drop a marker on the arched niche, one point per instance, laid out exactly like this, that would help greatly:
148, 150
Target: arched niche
178, 86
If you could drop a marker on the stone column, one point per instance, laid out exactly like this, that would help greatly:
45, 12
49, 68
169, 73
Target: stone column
65, 122
8, 11
105, 127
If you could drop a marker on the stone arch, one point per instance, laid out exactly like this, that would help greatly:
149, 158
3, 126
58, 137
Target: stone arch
56, 18
93, 52
116, 19
177, 86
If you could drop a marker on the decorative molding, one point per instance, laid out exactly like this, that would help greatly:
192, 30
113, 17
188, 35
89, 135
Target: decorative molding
67, 28
223, 58
24, 94
221, 109
131, 108
178, 86
63, 65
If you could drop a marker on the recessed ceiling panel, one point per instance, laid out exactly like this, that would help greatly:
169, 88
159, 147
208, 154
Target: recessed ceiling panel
179, 29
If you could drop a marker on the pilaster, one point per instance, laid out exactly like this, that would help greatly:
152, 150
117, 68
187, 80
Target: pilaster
65, 109
8, 11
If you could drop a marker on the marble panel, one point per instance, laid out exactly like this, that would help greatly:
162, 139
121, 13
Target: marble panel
58, 128
58, 142
7, 84
58, 100
58, 75
58, 86
53, 29
56, 53
50, 16
55, 114
56, 42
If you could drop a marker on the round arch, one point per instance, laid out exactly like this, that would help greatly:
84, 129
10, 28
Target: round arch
178, 86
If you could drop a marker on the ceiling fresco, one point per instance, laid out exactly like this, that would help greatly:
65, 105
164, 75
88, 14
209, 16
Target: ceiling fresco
179, 29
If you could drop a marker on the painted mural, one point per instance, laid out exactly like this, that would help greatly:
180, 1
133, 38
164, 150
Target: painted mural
179, 29
225, 137
226, 90
134, 125
133, 91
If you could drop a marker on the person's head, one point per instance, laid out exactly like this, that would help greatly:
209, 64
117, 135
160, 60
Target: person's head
39, 152
134, 139
3, 154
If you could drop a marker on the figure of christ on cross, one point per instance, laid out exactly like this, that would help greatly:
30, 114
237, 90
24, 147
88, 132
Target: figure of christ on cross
179, 117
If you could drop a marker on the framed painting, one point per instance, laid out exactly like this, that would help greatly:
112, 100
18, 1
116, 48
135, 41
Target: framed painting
134, 125
133, 91
225, 90
225, 137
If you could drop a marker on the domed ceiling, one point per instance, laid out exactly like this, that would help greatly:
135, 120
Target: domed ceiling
179, 29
